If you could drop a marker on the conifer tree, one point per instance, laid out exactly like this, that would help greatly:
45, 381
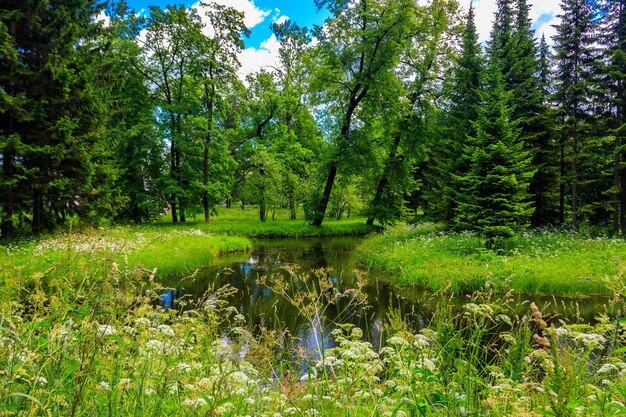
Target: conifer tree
544, 186
494, 199
614, 41
464, 103
575, 57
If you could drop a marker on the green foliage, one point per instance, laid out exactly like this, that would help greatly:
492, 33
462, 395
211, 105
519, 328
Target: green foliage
86, 338
494, 199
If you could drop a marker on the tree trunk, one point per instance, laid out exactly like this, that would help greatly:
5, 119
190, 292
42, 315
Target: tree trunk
173, 208
318, 216
617, 184
262, 202
384, 180
6, 229
205, 163
292, 204
575, 180
562, 182
173, 168
38, 213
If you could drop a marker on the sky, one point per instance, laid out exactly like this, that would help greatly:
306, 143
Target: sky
262, 47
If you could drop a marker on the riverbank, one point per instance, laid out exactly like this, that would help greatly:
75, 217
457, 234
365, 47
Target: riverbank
103, 348
540, 262
82, 332
172, 251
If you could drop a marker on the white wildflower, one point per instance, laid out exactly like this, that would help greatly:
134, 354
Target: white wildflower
195, 403
106, 330
165, 329
40, 380
142, 322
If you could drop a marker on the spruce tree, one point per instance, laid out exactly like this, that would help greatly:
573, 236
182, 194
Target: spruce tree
614, 41
464, 103
495, 200
575, 56
544, 186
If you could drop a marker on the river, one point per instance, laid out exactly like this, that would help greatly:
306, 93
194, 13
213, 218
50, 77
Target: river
298, 265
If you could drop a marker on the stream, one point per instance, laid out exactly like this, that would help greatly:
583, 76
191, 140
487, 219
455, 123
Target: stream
335, 260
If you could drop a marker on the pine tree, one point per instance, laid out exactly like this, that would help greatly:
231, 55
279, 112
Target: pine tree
464, 101
544, 186
495, 200
614, 41
575, 58
501, 46
55, 156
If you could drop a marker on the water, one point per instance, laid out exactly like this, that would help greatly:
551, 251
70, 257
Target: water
263, 307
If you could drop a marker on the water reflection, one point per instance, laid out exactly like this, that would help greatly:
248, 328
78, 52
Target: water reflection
263, 308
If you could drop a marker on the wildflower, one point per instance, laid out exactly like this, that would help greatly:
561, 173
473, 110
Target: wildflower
224, 408
40, 380
239, 377
396, 340
421, 341
357, 333
124, 383
104, 386
561, 332
390, 384
142, 322
165, 329
149, 391
154, 345
606, 368
195, 403
183, 368
591, 340
106, 330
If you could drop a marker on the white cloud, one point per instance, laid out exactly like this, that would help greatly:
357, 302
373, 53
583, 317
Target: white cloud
266, 57
485, 12
104, 18
252, 14
281, 19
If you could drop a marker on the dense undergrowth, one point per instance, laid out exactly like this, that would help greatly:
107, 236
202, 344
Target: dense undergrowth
88, 338
536, 262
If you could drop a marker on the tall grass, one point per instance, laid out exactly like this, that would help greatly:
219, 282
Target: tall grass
95, 344
541, 262
85, 336
176, 250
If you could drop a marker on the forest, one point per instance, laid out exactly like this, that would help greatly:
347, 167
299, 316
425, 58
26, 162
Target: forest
389, 109
394, 219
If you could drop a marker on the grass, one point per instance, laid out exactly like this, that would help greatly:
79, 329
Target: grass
171, 251
235, 221
91, 342
541, 262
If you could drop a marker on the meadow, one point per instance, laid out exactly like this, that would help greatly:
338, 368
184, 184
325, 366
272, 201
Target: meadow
95, 342
82, 332
544, 261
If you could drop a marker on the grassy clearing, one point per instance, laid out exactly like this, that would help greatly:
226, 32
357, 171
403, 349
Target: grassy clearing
92, 343
542, 262
175, 250
235, 221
